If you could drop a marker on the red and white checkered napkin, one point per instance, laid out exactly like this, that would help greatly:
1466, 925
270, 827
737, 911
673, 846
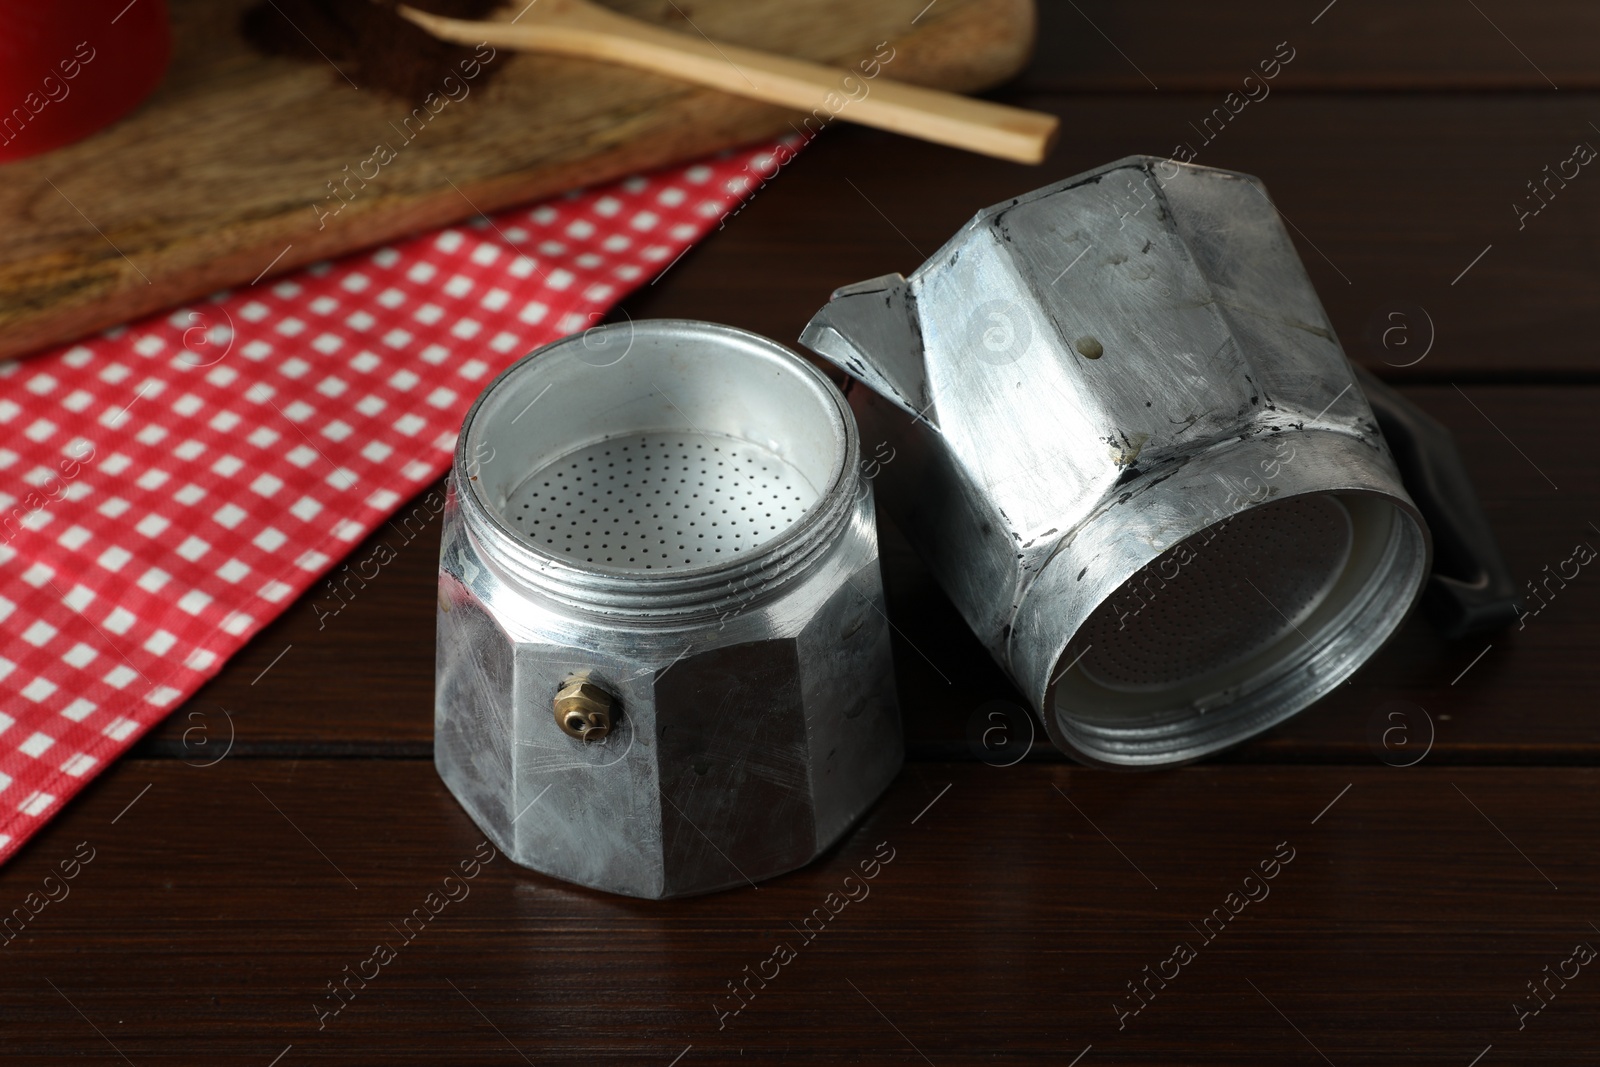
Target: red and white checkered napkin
168, 488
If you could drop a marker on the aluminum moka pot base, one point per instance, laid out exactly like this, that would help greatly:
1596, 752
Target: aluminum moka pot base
663, 659
1131, 450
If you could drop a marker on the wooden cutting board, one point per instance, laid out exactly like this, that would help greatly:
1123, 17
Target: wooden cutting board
222, 176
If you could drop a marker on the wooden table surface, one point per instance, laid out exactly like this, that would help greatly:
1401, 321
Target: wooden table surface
1411, 906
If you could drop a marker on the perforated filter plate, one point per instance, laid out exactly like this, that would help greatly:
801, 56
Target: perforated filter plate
630, 465
1220, 597
659, 500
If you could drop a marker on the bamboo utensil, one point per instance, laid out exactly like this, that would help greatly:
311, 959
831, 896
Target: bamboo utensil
583, 29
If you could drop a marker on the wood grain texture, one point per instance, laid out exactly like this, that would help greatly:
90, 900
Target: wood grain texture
583, 30
358, 680
207, 183
1389, 200
1424, 45
1004, 927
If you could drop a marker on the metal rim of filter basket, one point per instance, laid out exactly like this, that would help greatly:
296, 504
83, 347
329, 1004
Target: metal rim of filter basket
667, 362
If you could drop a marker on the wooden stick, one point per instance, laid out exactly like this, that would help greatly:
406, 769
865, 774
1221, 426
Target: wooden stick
581, 29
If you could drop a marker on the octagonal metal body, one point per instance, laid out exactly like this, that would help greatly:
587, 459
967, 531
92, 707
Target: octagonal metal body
755, 715
1117, 407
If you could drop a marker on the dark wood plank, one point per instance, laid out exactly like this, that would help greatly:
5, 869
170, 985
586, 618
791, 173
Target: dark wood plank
333, 675
1344, 44
1390, 199
1003, 930
224, 895
361, 681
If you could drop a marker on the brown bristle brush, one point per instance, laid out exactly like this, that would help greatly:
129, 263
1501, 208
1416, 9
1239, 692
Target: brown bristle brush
406, 50
369, 43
